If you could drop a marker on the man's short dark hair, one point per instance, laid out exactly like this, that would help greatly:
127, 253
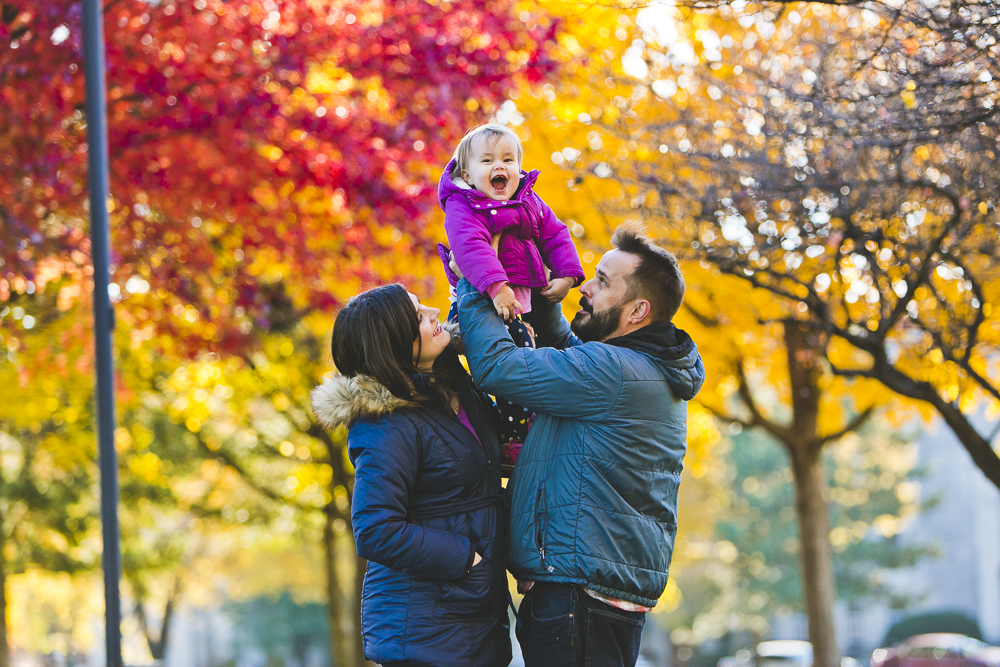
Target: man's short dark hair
657, 279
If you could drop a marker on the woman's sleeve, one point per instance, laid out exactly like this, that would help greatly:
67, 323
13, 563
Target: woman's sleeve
386, 461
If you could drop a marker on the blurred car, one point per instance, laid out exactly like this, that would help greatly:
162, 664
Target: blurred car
941, 649
791, 653
784, 653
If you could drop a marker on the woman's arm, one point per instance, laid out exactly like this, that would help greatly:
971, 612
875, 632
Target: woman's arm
386, 462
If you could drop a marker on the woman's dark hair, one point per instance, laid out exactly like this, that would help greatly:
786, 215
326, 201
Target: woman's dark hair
373, 335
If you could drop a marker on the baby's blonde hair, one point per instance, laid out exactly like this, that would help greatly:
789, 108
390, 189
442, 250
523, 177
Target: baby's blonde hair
489, 131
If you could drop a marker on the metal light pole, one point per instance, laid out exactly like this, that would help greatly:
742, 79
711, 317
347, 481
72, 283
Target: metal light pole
97, 172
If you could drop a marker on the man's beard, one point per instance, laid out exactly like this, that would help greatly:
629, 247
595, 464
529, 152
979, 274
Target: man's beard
598, 326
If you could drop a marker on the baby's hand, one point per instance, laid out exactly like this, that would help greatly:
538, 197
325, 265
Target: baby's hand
506, 304
557, 289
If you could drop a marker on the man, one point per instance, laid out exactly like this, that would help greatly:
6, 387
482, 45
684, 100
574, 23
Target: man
594, 492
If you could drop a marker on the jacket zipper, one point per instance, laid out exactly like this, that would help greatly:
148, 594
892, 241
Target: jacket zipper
539, 526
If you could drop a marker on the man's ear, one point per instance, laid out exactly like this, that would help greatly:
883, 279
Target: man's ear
640, 312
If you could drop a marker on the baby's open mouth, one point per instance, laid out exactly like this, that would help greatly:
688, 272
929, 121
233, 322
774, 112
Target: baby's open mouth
499, 183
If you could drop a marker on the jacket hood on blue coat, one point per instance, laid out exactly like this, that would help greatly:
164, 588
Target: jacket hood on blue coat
343, 400
673, 350
448, 186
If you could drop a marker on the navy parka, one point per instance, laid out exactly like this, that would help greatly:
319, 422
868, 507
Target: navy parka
427, 496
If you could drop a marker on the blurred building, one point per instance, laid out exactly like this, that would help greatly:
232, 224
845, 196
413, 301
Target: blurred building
964, 528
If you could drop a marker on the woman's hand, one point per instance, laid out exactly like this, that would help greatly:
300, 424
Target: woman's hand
453, 265
557, 289
531, 331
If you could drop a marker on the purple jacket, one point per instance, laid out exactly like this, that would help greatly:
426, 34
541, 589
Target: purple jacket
533, 237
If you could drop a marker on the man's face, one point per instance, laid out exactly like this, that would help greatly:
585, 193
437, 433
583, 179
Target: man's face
602, 306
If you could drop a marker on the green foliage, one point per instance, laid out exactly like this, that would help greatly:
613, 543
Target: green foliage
865, 512
937, 621
46, 508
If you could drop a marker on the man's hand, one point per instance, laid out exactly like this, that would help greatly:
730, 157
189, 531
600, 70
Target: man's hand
557, 289
506, 304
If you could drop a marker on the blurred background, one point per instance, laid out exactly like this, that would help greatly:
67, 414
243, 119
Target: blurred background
825, 171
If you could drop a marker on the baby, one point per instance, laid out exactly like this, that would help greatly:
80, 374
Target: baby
504, 237
485, 194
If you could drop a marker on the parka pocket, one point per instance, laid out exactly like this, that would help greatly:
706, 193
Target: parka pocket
472, 597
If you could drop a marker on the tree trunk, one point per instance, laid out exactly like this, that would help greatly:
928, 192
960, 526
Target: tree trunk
159, 648
335, 598
4, 646
157, 644
818, 589
804, 349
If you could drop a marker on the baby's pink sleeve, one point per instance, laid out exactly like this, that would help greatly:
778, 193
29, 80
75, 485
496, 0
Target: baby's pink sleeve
494, 289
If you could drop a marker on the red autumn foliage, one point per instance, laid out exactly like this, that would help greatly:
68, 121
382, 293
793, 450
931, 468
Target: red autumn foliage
212, 128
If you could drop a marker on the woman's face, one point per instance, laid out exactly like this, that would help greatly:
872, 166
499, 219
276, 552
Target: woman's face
433, 339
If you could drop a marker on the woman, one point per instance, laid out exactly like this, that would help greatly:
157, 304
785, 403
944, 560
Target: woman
428, 511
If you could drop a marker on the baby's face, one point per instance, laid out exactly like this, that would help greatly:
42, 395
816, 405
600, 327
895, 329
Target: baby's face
493, 169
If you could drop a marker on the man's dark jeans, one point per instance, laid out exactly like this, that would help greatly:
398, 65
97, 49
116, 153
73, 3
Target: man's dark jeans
559, 625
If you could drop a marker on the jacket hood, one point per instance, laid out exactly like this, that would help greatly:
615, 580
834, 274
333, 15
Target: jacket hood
675, 352
343, 400
448, 187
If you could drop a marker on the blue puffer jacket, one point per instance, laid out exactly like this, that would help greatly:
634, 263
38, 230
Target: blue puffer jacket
426, 498
595, 487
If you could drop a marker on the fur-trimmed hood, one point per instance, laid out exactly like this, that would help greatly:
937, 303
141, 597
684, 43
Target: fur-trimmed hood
343, 400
